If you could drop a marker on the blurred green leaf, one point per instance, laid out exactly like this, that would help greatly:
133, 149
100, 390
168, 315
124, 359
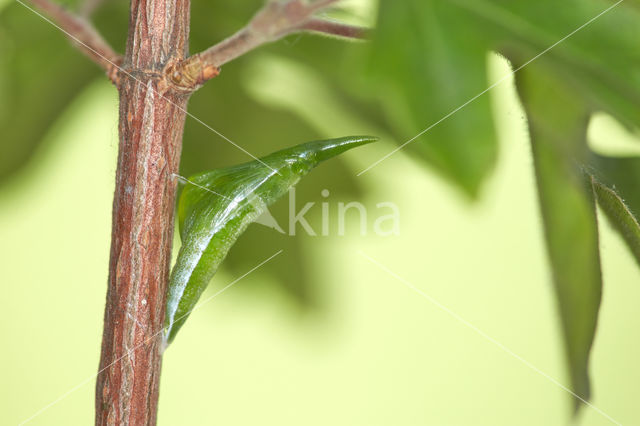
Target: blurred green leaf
216, 208
595, 48
428, 59
558, 124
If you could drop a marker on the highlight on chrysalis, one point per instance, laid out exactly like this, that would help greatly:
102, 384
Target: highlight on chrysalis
217, 206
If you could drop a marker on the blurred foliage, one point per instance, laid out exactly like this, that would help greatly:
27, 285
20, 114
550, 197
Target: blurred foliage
580, 57
40, 74
427, 60
558, 128
425, 72
426, 63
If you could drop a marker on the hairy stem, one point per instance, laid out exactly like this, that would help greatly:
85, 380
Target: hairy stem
150, 131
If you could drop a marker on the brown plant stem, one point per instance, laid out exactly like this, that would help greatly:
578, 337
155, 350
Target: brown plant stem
150, 127
338, 29
83, 35
274, 21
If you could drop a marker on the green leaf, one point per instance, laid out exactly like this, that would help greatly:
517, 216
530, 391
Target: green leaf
428, 60
577, 37
216, 208
616, 184
558, 124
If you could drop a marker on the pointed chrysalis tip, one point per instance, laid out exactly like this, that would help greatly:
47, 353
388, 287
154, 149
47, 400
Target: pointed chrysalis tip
327, 149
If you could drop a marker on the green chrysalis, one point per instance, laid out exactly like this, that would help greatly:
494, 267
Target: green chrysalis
217, 206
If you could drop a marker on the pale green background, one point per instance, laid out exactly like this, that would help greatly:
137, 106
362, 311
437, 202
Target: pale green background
377, 353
